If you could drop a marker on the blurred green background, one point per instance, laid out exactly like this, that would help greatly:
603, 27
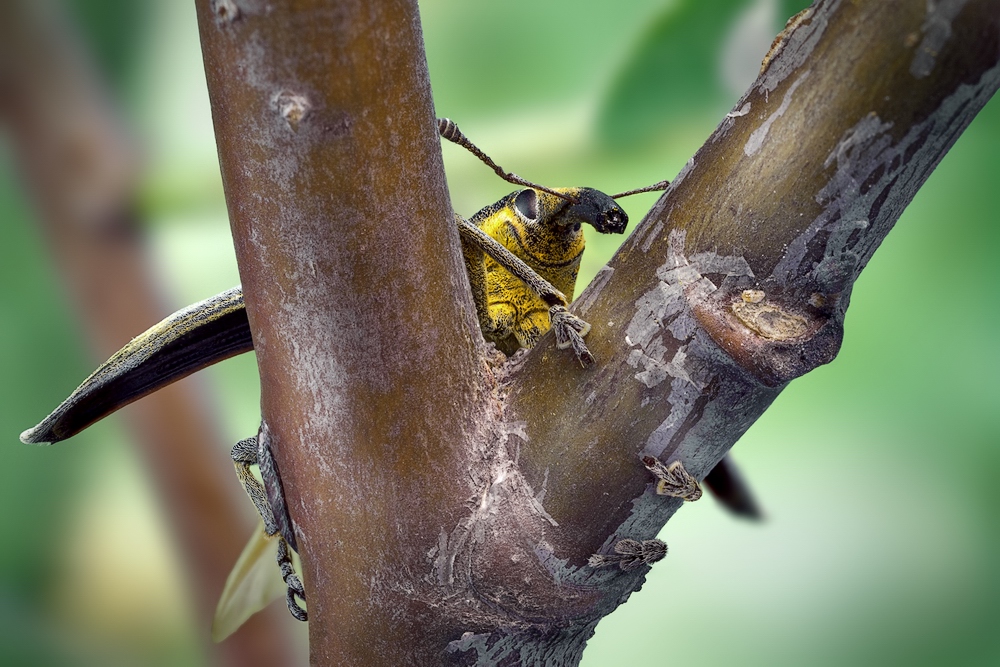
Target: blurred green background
876, 472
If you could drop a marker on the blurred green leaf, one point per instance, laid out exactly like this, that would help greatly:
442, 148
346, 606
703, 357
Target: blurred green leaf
493, 59
696, 58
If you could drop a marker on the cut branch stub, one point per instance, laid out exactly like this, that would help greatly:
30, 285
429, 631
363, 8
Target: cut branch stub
775, 342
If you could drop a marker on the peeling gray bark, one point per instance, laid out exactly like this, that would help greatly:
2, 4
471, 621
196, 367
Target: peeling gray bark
447, 501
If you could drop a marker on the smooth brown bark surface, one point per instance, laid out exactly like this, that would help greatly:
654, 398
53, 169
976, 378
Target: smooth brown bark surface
445, 503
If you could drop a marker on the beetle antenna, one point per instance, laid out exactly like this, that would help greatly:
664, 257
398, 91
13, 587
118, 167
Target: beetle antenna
448, 129
655, 187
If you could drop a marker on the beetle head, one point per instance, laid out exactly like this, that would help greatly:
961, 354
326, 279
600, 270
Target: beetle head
590, 206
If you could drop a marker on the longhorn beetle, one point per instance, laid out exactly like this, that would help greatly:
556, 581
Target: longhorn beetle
522, 255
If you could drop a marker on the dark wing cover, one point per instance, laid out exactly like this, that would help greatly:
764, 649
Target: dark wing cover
189, 340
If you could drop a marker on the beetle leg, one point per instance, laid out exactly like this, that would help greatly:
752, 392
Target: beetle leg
245, 453
295, 588
570, 331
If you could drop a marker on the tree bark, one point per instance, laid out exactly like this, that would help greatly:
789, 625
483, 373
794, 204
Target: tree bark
446, 502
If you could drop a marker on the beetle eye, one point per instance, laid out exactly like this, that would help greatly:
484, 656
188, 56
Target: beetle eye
526, 204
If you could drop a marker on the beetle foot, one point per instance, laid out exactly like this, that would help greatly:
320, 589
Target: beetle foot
673, 480
570, 330
295, 587
630, 554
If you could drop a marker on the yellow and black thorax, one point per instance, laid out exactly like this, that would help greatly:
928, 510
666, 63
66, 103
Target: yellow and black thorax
546, 233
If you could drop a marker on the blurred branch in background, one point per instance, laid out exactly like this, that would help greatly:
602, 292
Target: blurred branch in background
82, 169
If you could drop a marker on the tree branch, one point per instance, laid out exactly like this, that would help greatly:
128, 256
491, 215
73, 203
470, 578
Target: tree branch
789, 198
446, 506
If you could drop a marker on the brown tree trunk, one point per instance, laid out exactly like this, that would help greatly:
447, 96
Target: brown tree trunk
446, 504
